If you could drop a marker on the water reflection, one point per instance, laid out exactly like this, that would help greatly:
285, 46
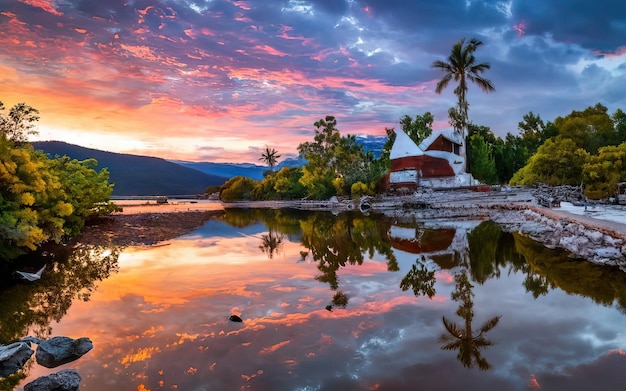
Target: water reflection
463, 338
30, 308
349, 302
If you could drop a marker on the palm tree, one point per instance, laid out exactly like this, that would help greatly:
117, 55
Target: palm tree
462, 67
270, 157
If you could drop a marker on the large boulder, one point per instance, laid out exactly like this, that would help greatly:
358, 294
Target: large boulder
65, 380
61, 350
13, 357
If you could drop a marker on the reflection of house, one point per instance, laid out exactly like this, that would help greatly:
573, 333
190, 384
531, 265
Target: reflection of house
435, 243
421, 240
436, 162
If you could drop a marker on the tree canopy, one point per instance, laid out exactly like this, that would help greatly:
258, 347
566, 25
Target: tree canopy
43, 199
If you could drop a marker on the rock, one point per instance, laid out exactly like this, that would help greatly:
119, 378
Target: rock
13, 357
235, 318
65, 380
30, 340
61, 350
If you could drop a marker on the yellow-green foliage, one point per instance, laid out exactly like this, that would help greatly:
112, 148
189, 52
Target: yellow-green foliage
281, 185
43, 199
238, 188
558, 161
339, 184
603, 171
360, 189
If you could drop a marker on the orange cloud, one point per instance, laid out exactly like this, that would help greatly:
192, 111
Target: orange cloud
45, 5
274, 347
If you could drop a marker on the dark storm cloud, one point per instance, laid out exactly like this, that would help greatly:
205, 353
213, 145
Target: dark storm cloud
593, 25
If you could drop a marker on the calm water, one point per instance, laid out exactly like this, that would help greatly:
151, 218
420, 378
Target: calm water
346, 302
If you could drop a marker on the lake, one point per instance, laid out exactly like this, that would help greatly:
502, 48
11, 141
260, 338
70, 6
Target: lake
330, 302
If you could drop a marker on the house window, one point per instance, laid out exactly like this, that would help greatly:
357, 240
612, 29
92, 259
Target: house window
457, 149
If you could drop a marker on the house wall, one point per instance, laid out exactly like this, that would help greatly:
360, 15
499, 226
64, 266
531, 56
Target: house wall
441, 144
428, 165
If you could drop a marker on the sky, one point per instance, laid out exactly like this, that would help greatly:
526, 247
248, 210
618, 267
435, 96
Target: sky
218, 80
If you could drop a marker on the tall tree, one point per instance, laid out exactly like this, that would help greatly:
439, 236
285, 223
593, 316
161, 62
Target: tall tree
19, 123
462, 67
482, 164
270, 156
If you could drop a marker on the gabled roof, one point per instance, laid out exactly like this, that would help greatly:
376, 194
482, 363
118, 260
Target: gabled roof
404, 146
449, 134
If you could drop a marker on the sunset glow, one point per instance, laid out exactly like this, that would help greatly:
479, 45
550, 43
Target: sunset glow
219, 80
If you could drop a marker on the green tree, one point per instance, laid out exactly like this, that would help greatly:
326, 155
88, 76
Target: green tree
602, 172
270, 156
19, 123
590, 129
238, 188
558, 161
335, 162
482, 164
619, 121
281, 185
86, 189
462, 67
532, 131
419, 128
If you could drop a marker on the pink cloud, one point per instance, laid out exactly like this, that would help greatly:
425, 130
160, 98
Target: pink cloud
45, 5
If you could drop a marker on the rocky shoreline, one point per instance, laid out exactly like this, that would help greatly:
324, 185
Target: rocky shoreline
598, 241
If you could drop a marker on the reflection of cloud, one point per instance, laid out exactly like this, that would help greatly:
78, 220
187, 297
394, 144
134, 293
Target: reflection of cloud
273, 348
164, 318
139, 355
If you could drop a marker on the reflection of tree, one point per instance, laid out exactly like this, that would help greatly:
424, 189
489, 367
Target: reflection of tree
549, 269
421, 281
463, 338
271, 243
337, 241
340, 299
332, 241
483, 242
31, 307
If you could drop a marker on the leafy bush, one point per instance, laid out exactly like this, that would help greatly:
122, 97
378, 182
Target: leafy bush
238, 188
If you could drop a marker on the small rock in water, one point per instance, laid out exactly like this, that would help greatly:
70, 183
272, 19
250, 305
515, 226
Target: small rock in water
66, 380
329, 308
60, 350
13, 357
235, 318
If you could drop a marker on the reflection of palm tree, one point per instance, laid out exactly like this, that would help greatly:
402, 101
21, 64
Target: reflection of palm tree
463, 338
271, 243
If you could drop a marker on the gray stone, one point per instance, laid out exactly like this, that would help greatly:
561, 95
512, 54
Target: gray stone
30, 339
61, 350
65, 380
13, 357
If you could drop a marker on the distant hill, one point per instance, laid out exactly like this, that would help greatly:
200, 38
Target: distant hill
230, 170
142, 175
135, 175
375, 144
255, 171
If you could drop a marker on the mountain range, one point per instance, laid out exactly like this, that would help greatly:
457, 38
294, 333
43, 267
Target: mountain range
135, 175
